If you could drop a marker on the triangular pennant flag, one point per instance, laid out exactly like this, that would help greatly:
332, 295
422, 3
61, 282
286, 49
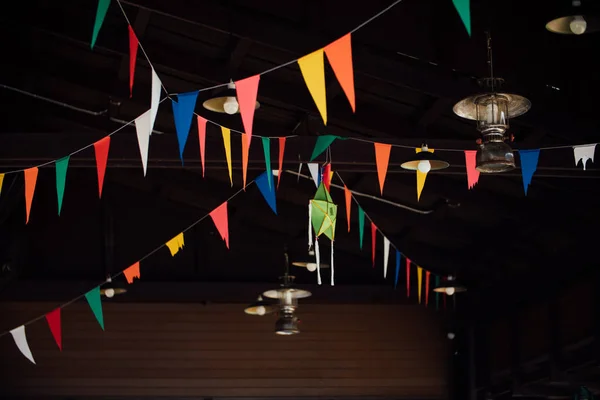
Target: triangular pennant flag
327, 174
202, 139
437, 295
398, 257
1, 182
529, 161
246, 91
101, 148
266, 143
386, 255
419, 281
464, 11
219, 217
268, 192
313, 72
421, 176
226, 132
339, 54
382, 158
143, 130
322, 143
31, 175
245, 154
280, 169
20, 338
183, 111
176, 244
407, 277
61, 179
93, 299
53, 319
154, 100
133, 49
472, 172
373, 241
427, 277
314, 172
100, 14
348, 196
361, 225
581, 153
133, 271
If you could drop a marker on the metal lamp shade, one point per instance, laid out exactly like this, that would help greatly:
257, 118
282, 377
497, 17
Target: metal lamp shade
117, 290
216, 104
450, 284
287, 292
259, 306
562, 25
468, 107
287, 324
435, 162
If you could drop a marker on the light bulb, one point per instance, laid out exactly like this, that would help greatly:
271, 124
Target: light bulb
261, 310
451, 335
450, 291
424, 166
578, 25
312, 267
110, 292
231, 106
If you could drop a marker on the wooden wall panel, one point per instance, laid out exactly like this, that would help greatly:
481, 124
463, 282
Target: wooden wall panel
217, 350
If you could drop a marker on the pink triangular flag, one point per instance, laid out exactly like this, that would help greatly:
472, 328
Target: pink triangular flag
132, 272
472, 173
20, 338
373, 241
202, 139
246, 90
133, 49
31, 175
281, 152
101, 151
53, 318
219, 217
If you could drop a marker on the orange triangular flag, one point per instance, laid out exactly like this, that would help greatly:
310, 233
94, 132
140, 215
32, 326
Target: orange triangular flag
1, 182
246, 90
339, 54
281, 152
419, 281
421, 176
313, 71
245, 151
427, 277
132, 272
101, 148
219, 217
202, 139
348, 195
31, 175
382, 158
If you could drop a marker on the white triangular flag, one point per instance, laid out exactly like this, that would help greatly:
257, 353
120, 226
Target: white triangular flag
584, 153
386, 255
314, 172
143, 129
155, 100
21, 341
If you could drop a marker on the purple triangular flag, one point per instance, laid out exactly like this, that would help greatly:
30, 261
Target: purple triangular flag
529, 161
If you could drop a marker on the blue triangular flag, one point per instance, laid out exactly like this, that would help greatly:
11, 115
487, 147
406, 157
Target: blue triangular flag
529, 161
183, 111
268, 191
398, 256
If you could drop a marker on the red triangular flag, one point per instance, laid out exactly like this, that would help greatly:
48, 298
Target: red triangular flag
101, 150
427, 275
281, 152
348, 196
245, 152
31, 175
219, 217
53, 318
132, 272
339, 54
202, 139
246, 90
373, 241
382, 158
407, 277
133, 48
326, 176
472, 173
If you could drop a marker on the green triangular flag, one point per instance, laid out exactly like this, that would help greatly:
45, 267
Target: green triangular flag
267, 150
323, 142
100, 14
361, 224
464, 11
93, 299
61, 177
437, 295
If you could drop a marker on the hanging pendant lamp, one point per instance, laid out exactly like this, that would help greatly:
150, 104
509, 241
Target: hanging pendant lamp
110, 289
450, 286
576, 20
425, 161
226, 102
260, 307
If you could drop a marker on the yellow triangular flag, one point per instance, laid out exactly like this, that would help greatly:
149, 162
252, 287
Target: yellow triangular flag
313, 71
421, 176
227, 143
1, 182
419, 281
175, 244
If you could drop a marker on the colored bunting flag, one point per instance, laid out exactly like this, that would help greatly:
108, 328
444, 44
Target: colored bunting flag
101, 152
267, 191
407, 277
421, 176
427, 277
472, 172
327, 175
1, 182
398, 257
266, 143
281, 153
31, 175
175, 244
134, 270
361, 225
382, 159
373, 241
219, 217
339, 54
20, 338
313, 168
183, 111
93, 299
143, 130
246, 91
419, 281
53, 319
226, 133
386, 255
61, 179
245, 154
348, 196
313, 71
155, 99
322, 143
100, 14
133, 49
529, 161
202, 139
464, 11
581, 153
